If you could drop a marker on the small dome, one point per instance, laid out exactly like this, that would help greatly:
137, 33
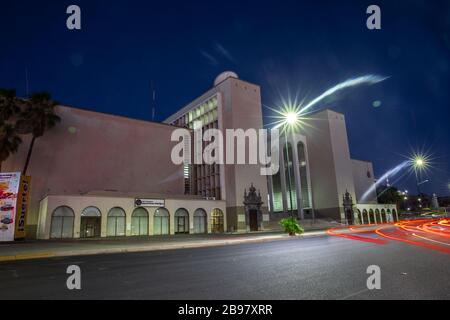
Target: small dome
225, 75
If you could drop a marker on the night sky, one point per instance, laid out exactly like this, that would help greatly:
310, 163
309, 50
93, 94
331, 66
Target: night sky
290, 48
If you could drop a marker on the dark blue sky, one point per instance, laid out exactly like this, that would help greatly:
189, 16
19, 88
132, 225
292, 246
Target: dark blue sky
287, 47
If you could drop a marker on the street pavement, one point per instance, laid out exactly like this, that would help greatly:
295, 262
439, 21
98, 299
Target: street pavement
61, 248
323, 267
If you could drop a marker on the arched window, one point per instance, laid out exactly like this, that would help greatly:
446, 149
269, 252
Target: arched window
116, 222
383, 216
378, 216
161, 222
302, 163
181, 221
291, 192
62, 223
200, 221
91, 212
217, 221
277, 193
91, 223
372, 216
365, 214
360, 217
139, 222
389, 217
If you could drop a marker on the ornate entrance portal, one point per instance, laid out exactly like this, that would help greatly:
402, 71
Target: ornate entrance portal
253, 214
348, 208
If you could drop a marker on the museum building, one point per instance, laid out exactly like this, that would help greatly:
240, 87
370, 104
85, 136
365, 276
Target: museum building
102, 175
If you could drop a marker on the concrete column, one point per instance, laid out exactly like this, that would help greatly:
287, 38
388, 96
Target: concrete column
270, 192
298, 185
283, 178
104, 221
191, 221
151, 214
77, 224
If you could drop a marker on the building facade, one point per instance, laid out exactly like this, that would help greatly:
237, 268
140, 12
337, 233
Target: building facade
231, 104
88, 172
106, 214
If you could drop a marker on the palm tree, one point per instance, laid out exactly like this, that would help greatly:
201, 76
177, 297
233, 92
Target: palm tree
8, 104
37, 117
9, 141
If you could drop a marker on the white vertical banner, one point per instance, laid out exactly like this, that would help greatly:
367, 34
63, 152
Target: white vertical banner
9, 189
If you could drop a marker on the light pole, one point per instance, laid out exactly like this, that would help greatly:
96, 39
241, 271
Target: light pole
291, 118
419, 164
420, 183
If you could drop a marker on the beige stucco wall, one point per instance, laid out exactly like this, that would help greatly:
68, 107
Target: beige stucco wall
330, 162
321, 165
363, 181
78, 203
244, 113
239, 108
90, 151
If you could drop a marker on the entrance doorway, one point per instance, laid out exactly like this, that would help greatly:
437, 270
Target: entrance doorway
62, 223
349, 216
91, 223
200, 221
161, 222
181, 221
139, 222
217, 221
253, 216
116, 222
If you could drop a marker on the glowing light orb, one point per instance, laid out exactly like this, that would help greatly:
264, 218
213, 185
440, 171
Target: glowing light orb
291, 117
376, 104
419, 162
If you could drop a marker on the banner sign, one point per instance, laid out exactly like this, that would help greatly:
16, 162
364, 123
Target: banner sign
23, 200
149, 202
9, 189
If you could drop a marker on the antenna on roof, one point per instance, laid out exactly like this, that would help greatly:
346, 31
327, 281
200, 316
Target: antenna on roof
153, 100
27, 91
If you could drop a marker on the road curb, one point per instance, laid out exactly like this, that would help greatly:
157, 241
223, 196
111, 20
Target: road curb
88, 252
27, 256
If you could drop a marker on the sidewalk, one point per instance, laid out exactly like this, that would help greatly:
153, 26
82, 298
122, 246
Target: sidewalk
63, 248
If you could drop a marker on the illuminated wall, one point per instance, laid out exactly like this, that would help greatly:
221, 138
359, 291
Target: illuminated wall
292, 182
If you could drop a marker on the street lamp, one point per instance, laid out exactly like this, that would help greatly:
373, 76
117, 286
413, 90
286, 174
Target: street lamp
291, 118
419, 163
418, 185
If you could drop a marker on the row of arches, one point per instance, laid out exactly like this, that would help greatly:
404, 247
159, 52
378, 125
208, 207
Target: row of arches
375, 216
63, 222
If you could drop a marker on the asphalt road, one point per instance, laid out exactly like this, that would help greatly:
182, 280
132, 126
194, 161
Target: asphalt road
323, 267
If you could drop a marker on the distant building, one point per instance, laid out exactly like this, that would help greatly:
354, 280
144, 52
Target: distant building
96, 174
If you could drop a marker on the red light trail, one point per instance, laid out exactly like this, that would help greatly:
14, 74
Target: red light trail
433, 234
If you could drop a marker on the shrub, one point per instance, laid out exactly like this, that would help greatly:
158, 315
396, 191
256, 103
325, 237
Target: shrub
291, 226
